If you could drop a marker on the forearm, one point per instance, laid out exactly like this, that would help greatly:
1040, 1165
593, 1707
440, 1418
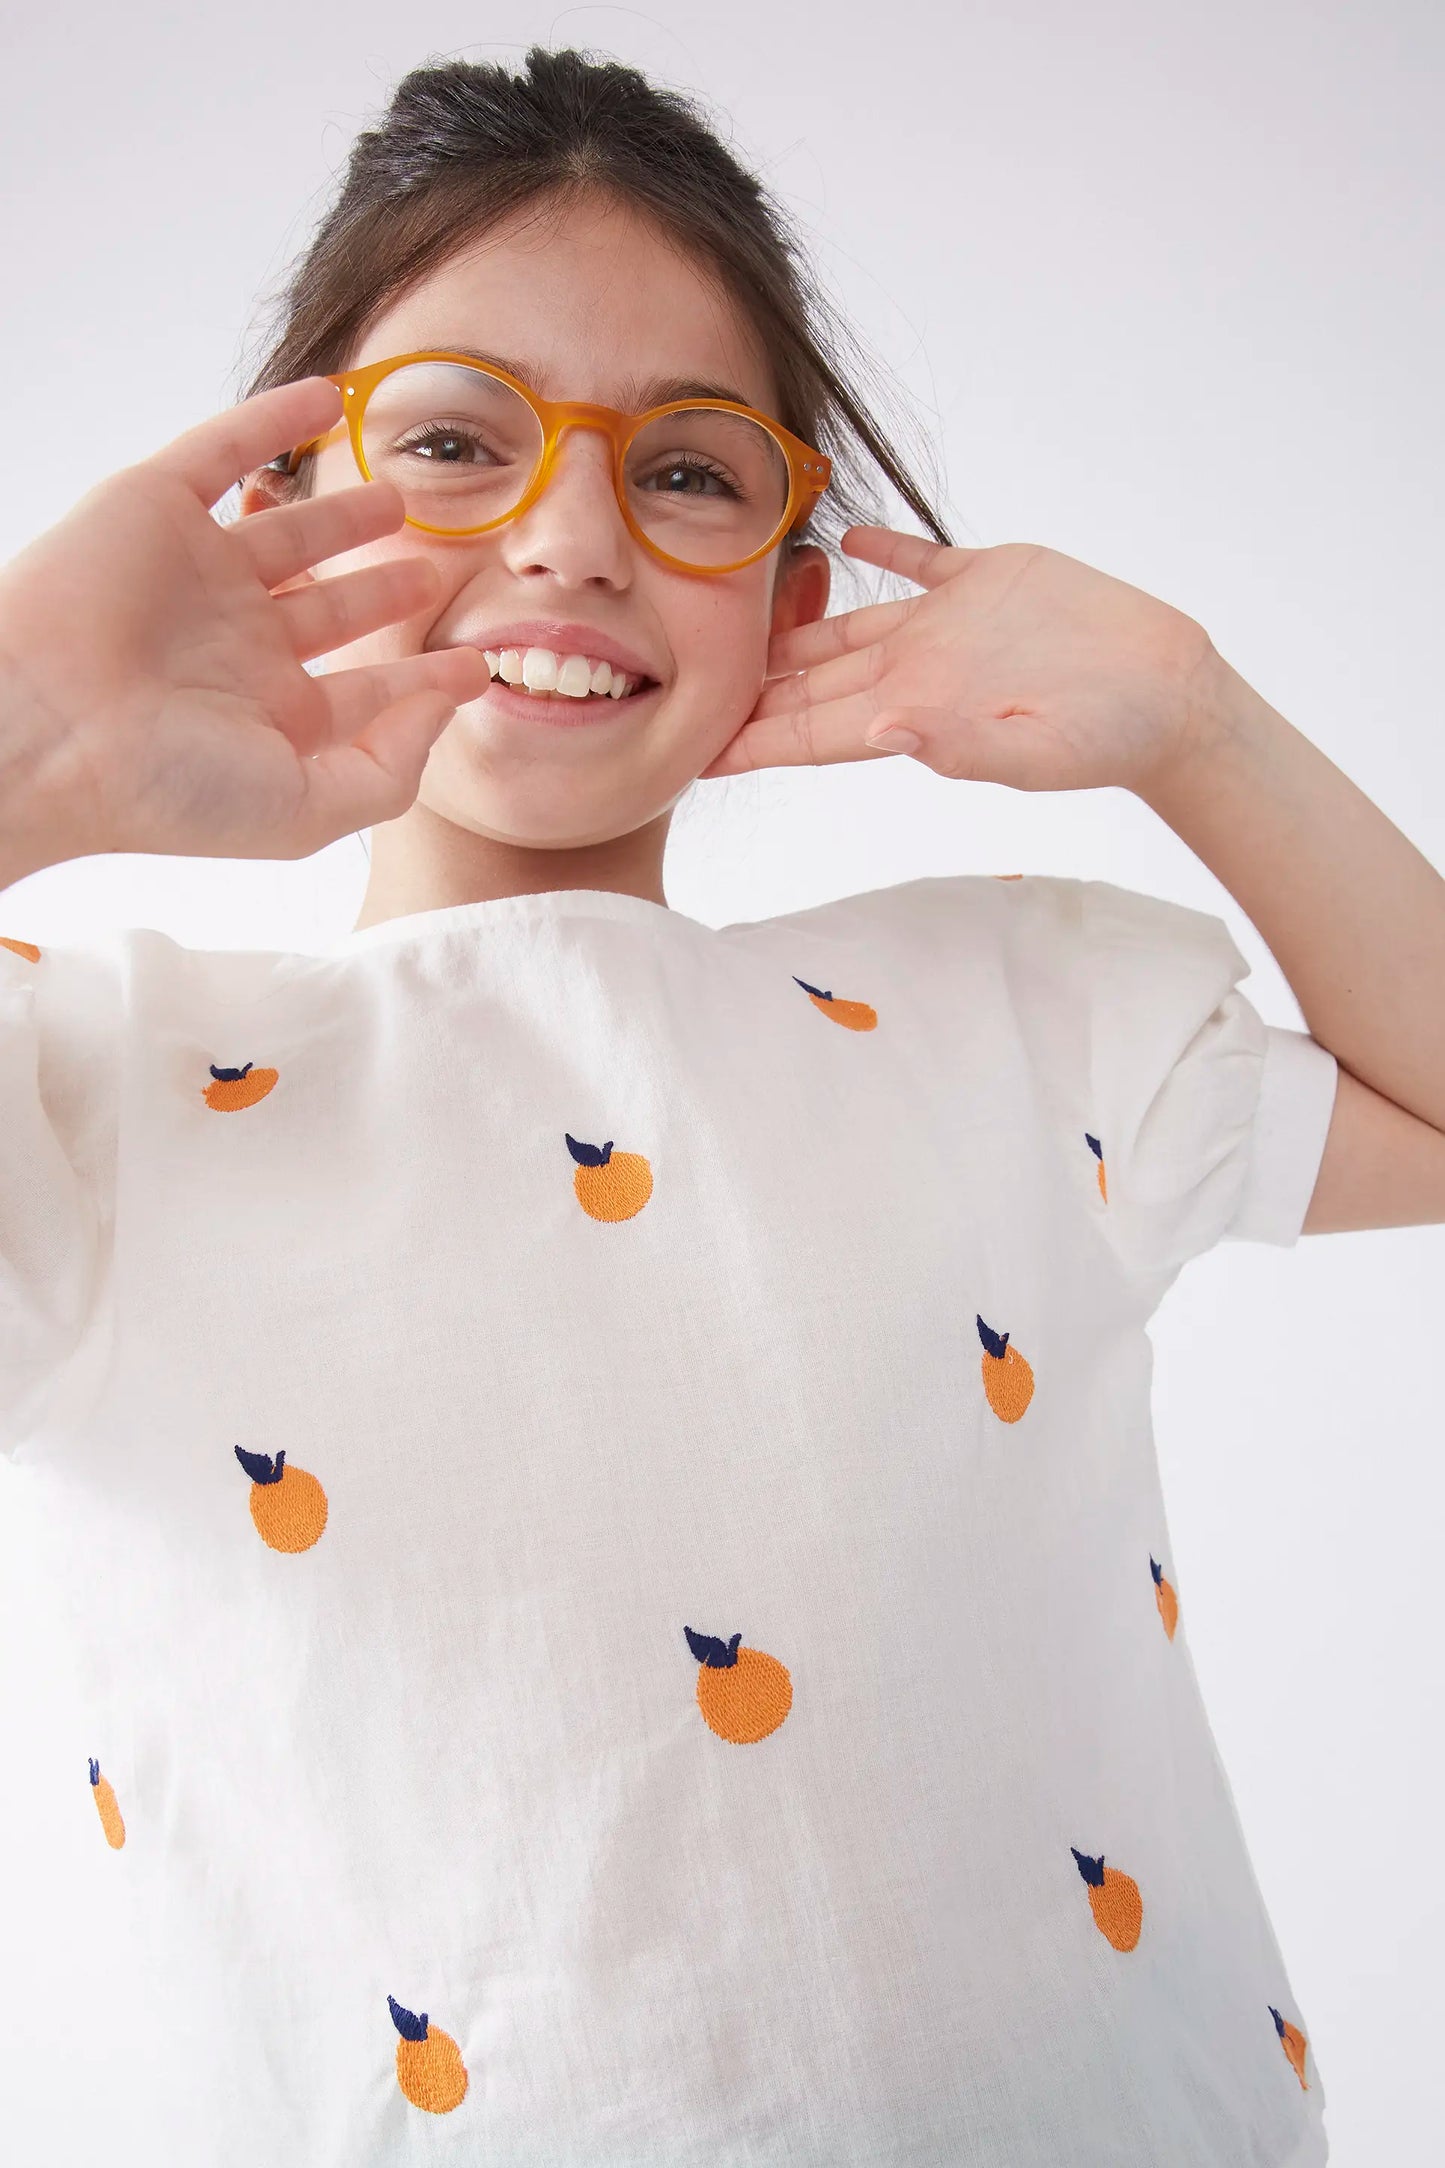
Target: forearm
34, 830
1351, 911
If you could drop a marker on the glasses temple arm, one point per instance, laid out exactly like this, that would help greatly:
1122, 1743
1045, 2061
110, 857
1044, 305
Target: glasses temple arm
294, 458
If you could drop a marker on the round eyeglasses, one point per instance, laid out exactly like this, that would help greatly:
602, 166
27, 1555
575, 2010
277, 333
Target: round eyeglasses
707, 485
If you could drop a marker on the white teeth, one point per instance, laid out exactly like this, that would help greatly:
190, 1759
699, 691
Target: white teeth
575, 677
539, 670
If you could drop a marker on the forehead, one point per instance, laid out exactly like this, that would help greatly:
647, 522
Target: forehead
587, 302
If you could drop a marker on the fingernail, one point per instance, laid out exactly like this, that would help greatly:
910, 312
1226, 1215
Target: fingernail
892, 738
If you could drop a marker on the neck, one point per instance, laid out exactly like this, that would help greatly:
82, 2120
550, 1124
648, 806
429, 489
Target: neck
423, 862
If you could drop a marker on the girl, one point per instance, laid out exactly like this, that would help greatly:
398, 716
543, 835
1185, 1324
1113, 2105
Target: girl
579, 1494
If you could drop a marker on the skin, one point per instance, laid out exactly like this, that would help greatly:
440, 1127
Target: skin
599, 301
185, 720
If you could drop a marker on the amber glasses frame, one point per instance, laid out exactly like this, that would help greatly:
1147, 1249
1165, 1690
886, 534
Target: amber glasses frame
809, 470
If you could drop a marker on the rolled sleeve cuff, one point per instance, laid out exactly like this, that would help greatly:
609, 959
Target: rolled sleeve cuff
1291, 1123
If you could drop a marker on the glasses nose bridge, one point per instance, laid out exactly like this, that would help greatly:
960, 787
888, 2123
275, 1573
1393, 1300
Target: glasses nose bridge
606, 422
586, 413
602, 421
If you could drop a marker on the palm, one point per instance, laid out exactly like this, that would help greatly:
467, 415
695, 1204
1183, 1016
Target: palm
185, 656
179, 716
1018, 665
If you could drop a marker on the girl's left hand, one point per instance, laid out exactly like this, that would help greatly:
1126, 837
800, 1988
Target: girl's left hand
1017, 665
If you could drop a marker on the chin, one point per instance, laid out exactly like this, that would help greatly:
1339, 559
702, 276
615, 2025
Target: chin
544, 804
544, 815
530, 836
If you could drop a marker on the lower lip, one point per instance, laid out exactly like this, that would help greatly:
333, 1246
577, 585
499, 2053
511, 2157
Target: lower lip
562, 712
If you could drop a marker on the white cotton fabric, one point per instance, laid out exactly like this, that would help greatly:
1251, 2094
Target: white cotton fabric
453, 1753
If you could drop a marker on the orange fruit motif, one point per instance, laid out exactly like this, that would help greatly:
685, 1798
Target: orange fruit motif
429, 2066
856, 1015
1008, 876
236, 1088
1098, 1151
1165, 1597
106, 1808
1007, 1378
287, 1504
610, 1185
1114, 1900
27, 949
743, 1693
1294, 2043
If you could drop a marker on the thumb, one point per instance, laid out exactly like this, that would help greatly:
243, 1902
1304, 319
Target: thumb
891, 737
981, 749
377, 776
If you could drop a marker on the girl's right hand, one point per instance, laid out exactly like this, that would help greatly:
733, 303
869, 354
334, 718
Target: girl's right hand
152, 695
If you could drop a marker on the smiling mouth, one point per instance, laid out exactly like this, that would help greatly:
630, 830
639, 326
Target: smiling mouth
549, 706
568, 707
578, 700
542, 673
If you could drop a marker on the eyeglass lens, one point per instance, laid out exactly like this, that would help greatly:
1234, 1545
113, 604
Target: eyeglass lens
707, 486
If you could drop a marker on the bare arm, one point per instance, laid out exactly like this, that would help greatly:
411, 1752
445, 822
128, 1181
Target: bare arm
1355, 916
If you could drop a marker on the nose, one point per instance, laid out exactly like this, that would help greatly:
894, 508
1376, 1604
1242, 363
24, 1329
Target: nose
574, 529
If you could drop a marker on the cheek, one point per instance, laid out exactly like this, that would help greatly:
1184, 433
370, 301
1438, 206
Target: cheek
722, 661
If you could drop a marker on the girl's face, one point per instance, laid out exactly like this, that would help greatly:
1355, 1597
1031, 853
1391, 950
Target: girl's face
594, 305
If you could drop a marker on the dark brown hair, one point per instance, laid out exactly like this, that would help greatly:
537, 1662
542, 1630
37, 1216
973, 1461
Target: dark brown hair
463, 145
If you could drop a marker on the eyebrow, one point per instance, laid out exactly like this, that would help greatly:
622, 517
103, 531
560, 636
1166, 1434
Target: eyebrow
635, 397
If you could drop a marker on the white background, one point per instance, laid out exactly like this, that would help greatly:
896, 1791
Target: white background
1162, 283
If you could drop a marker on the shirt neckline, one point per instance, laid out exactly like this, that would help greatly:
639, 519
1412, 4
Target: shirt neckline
546, 903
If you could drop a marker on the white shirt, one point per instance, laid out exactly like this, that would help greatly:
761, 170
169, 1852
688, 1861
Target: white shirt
706, 1652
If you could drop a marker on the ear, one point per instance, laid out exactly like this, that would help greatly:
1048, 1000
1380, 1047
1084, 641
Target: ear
263, 490
801, 593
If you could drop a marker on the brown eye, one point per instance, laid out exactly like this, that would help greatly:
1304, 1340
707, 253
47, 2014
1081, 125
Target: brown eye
689, 467
438, 441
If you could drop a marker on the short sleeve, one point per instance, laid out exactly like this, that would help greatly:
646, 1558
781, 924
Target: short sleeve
56, 1168
1208, 1124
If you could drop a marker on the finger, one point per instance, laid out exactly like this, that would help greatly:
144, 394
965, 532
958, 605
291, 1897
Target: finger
813, 736
216, 454
355, 698
912, 555
331, 613
847, 673
830, 636
289, 538
974, 748
375, 779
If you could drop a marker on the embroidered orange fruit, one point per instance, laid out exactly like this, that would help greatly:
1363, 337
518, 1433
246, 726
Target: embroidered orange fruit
429, 2066
287, 1505
1007, 1378
1114, 1900
1294, 2043
235, 1088
1098, 1151
743, 1693
27, 949
106, 1808
1165, 1597
855, 1014
610, 1185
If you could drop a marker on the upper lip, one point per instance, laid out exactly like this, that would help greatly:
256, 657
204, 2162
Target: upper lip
564, 638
